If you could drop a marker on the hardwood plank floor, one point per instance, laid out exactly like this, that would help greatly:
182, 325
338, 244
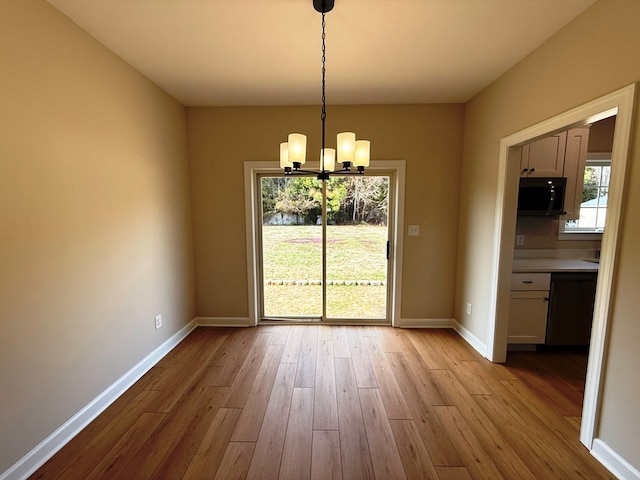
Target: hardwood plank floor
338, 402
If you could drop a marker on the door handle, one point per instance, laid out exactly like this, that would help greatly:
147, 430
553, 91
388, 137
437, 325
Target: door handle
552, 198
388, 248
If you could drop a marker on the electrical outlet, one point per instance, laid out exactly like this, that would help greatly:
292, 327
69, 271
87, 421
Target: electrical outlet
414, 230
519, 239
158, 321
468, 308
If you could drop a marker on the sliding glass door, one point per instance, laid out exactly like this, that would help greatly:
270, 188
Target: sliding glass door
324, 248
357, 236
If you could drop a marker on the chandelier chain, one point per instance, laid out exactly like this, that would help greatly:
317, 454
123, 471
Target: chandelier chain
323, 115
349, 152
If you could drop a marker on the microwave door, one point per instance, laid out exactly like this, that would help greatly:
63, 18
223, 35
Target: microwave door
552, 199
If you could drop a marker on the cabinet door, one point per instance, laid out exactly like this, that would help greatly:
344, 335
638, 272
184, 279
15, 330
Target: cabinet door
571, 308
574, 162
544, 157
527, 317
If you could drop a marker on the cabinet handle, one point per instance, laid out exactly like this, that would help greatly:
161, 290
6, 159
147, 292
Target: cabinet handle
527, 281
524, 170
546, 299
532, 170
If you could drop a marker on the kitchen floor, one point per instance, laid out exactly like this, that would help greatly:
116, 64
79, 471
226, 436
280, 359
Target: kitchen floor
563, 369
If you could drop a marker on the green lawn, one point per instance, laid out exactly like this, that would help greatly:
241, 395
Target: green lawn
354, 253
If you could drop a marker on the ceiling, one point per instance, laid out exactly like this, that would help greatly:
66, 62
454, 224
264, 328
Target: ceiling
268, 52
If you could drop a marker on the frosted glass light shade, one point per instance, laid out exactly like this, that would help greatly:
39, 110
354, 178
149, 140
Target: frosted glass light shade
329, 159
297, 148
284, 155
363, 148
346, 146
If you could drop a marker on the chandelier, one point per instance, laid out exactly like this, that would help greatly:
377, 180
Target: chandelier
349, 151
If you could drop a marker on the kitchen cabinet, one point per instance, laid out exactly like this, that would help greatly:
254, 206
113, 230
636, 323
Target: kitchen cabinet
571, 301
560, 155
528, 307
575, 158
544, 157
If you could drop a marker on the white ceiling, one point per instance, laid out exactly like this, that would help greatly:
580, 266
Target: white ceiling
268, 52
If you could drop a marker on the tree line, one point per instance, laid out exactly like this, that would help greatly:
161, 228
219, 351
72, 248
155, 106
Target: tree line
350, 199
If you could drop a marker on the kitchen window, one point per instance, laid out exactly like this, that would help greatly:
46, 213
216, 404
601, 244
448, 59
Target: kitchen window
593, 209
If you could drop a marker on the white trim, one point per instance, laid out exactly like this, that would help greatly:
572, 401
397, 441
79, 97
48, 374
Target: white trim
614, 462
426, 323
250, 199
65, 433
223, 322
252, 169
470, 338
624, 99
621, 103
399, 169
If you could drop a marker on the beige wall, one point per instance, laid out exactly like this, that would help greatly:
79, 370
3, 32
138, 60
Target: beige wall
96, 230
428, 137
594, 55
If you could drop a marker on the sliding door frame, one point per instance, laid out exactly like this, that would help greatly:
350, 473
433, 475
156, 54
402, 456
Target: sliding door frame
252, 172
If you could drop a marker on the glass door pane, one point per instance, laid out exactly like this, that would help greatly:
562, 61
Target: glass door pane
291, 247
356, 247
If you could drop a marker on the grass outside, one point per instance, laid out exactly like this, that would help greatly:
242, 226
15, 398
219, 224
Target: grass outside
354, 253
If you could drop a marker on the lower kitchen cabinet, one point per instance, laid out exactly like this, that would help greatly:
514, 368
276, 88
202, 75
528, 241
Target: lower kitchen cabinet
571, 300
527, 317
528, 308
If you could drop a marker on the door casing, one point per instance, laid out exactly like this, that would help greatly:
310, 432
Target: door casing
619, 103
252, 171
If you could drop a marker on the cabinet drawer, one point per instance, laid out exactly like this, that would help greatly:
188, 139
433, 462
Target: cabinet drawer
530, 281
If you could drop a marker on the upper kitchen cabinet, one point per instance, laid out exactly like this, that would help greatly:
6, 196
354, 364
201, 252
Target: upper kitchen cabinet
574, 161
544, 157
561, 155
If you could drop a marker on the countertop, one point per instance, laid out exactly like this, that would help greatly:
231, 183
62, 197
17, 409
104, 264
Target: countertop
552, 265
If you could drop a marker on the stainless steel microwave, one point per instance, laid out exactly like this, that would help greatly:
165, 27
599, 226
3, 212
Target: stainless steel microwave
541, 196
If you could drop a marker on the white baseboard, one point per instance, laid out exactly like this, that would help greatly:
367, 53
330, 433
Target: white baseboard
614, 462
222, 322
58, 439
467, 336
426, 323
470, 338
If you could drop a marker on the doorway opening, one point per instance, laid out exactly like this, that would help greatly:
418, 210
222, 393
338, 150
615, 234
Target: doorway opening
619, 103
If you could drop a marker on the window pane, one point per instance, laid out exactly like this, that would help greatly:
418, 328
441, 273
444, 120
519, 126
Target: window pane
594, 199
587, 217
606, 174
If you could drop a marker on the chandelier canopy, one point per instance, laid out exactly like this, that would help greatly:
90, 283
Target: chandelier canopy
349, 151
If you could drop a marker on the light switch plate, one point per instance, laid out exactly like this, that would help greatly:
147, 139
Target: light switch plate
414, 230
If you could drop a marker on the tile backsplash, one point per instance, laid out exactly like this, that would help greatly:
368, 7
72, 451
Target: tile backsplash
542, 233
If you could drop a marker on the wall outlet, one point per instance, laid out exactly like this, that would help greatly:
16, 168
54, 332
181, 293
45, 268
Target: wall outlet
468, 308
519, 239
158, 321
414, 230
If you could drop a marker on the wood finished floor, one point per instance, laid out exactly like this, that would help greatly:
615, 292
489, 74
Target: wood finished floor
335, 402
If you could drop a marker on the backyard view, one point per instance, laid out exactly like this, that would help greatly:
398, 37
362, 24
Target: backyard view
356, 245
595, 194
